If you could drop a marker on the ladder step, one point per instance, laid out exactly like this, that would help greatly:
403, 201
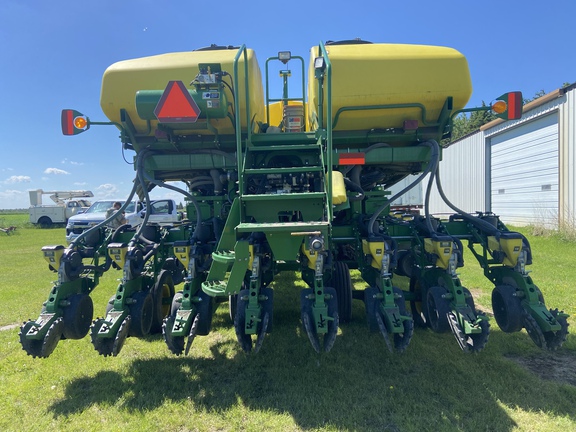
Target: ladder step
214, 288
286, 170
283, 147
293, 227
285, 197
284, 141
224, 257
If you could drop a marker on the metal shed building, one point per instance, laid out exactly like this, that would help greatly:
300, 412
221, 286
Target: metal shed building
522, 170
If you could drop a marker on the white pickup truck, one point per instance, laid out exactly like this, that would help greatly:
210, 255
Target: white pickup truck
67, 204
163, 212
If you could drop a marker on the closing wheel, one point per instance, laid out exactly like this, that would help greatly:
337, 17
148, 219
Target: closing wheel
232, 305
437, 309
33, 347
141, 312
343, 285
121, 336
402, 340
376, 319
245, 340
52, 337
162, 294
104, 346
175, 343
205, 310
555, 339
307, 315
77, 316
508, 311
370, 302
418, 288
534, 331
330, 336
474, 342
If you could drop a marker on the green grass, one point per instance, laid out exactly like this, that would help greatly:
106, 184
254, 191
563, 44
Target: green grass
358, 386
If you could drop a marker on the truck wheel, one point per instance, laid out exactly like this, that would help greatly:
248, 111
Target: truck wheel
45, 222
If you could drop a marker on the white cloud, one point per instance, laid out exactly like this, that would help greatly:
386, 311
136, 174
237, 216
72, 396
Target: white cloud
18, 179
11, 199
107, 190
66, 161
55, 171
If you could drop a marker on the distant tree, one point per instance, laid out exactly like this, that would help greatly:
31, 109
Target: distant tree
467, 124
537, 95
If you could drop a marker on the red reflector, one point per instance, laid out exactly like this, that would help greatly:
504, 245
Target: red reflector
410, 124
514, 105
176, 105
68, 122
352, 159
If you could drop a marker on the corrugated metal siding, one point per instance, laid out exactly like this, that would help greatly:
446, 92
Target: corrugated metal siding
462, 174
524, 172
465, 170
567, 137
412, 197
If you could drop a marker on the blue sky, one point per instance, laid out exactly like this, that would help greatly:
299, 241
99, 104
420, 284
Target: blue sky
53, 55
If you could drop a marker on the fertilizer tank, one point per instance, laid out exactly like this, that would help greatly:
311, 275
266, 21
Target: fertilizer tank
122, 81
366, 74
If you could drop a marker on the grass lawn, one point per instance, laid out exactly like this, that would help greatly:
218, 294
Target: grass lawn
359, 386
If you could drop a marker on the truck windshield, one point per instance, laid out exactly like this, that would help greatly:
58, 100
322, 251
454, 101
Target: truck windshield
103, 206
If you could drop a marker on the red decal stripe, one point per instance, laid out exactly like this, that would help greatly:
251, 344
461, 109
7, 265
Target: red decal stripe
352, 159
515, 105
67, 119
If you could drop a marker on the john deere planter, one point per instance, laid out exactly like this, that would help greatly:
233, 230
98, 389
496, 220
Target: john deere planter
296, 184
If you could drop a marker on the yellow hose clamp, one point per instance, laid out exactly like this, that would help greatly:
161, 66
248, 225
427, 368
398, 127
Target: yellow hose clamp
511, 247
53, 254
251, 260
315, 247
182, 252
311, 255
117, 252
376, 249
442, 249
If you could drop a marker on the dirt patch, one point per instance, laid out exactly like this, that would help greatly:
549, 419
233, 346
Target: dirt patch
558, 367
8, 327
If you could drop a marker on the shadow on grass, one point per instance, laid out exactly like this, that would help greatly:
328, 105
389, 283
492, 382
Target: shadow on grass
358, 386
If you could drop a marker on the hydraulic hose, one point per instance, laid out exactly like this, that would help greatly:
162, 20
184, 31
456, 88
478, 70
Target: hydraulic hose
482, 224
432, 165
183, 192
105, 221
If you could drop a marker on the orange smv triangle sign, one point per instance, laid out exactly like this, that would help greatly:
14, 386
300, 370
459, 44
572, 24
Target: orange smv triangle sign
176, 105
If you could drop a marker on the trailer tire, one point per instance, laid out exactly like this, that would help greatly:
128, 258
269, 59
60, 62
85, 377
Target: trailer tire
45, 222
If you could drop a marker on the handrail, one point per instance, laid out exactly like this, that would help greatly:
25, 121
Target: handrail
239, 161
285, 97
390, 106
329, 127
